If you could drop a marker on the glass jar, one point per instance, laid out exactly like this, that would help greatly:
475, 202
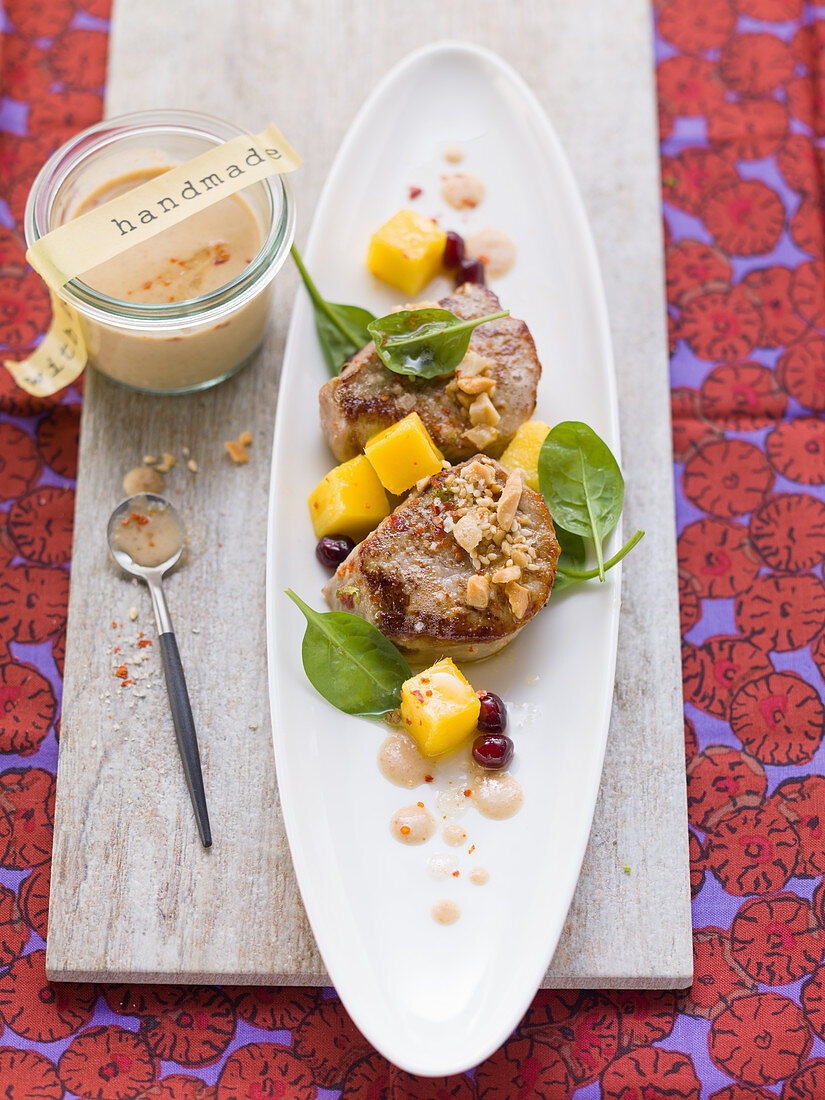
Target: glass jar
173, 346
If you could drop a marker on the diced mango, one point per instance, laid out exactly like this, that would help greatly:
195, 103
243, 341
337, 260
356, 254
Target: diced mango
523, 451
402, 454
349, 501
407, 251
439, 708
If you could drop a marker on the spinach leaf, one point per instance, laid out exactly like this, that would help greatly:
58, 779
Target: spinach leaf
342, 330
568, 575
581, 483
350, 662
424, 342
572, 557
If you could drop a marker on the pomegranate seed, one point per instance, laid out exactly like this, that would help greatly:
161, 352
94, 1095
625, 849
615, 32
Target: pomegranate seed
492, 717
331, 552
453, 250
493, 751
470, 271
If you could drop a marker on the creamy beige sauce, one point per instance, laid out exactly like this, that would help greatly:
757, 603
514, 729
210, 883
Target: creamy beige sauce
149, 533
454, 835
496, 794
412, 824
400, 761
195, 257
479, 876
495, 249
142, 479
462, 190
446, 911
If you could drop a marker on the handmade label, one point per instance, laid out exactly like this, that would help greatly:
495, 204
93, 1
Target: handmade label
146, 210
58, 361
127, 220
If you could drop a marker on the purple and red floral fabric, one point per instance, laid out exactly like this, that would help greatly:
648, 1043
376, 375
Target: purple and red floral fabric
742, 115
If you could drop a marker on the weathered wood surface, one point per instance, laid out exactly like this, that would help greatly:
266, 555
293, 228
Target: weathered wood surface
134, 897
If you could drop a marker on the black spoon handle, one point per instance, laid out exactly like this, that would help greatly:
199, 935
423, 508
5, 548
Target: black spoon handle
185, 732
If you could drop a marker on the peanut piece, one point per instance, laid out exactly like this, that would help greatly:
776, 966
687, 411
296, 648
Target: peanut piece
519, 598
237, 452
245, 438
478, 591
508, 502
471, 364
507, 574
467, 532
481, 436
477, 383
483, 411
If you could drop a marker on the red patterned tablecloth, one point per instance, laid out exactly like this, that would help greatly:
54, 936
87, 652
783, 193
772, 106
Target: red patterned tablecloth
742, 109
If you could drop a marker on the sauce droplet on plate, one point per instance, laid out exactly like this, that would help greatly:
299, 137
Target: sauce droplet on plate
497, 795
401, 762
412, 824
446, 911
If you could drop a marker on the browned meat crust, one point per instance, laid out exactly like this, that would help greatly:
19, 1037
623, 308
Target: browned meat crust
366, 397
409, 577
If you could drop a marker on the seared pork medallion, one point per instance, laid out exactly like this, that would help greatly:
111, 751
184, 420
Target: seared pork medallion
457, 569
477, 408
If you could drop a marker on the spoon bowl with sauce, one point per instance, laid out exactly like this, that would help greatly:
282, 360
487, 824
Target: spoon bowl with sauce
146, 538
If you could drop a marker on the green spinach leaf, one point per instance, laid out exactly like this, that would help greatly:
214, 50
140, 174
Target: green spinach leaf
342, 330
572, 557
350, 662
424, 342
568, 574
581, 483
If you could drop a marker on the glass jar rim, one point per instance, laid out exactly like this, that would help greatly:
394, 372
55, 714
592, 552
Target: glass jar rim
211, 306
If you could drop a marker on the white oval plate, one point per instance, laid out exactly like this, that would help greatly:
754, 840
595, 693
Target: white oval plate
433, 999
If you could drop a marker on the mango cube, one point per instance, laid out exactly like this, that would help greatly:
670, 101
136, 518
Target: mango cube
349, 501
523, 451
439, 708
407, 251
403, 453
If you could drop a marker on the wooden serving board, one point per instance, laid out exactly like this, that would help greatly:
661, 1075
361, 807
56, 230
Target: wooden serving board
134, 896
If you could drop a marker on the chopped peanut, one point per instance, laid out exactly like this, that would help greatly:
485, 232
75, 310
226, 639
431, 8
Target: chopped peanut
481, 436
237, 452
483, 411
472, 364
508, 502
519, 598
192, 465
149, 460
507, 574
480, 471
245, 438
467, 532
477, 383
478, 591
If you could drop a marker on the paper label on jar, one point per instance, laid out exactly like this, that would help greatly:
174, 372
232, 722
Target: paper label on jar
141, 213
59, 359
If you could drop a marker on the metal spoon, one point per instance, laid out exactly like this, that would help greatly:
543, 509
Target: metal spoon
173, 670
